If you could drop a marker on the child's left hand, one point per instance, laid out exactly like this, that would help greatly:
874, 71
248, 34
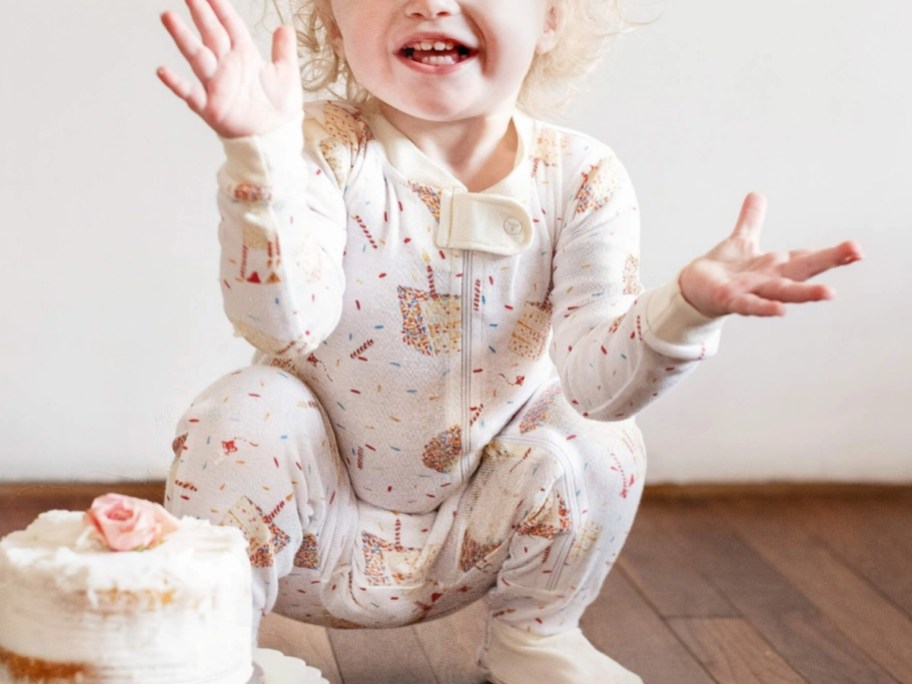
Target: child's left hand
736, 277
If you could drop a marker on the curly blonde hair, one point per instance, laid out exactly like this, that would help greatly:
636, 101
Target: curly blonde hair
588, 28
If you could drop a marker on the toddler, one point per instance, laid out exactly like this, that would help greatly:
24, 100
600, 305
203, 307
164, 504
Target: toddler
451, 336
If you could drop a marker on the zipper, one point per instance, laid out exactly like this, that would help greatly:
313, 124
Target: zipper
466, 392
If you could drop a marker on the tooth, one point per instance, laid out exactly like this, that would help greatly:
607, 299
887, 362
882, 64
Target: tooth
426, 45
440, 45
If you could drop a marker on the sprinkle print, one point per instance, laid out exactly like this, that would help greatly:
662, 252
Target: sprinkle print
390, 364
444, 450
364, 229
246, 192
388, 562
347, 133
264, 539
429, 197
598, 187
258, 240
359, 352
513, 507
551, 520
473, 553
178, 445
431, 322
631, 275
538, 412
548, 148
530, 336
307, 554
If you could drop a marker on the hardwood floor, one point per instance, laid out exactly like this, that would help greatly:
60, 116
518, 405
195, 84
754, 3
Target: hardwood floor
742, 585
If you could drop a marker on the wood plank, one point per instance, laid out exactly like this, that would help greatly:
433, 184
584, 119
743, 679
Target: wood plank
733, 651
451, 644
48, 493
874, 537
21, 503
837, 491
300, 640
849, 601
622, 624
810, 643
666, 572
381, 656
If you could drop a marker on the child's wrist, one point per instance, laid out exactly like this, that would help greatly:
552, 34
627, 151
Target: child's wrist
678, 327
252, 158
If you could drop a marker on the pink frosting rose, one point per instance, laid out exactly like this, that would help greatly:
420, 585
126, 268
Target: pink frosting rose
127, 524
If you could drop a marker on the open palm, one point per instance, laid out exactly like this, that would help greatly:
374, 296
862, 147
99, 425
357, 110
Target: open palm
736, 277
237, 93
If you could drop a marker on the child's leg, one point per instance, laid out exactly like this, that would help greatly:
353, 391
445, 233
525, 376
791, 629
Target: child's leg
581, 486
254, 451
572, 487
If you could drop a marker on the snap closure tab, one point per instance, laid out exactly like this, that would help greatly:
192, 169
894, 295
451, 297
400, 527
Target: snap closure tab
470, 220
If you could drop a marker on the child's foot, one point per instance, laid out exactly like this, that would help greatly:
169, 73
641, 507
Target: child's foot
513, 656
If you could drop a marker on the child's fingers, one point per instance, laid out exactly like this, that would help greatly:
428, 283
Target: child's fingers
211, 30
806, 264
284, 47
192, 94
231, 20
790, 292
198, 56
750, 221
750, 304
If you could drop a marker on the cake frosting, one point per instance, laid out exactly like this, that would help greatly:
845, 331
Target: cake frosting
73, 610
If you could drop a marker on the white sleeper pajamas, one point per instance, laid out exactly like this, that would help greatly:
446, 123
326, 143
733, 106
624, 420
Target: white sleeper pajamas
440, 407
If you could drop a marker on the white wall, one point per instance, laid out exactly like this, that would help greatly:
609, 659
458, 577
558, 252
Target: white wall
111, 309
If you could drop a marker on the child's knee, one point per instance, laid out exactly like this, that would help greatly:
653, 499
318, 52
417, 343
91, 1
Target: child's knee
598, 482
251, 397
613, 465
244, 410
255, 424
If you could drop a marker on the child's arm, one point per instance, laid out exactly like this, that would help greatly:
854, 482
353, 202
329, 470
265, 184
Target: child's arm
617, 349
283, 218
735, 277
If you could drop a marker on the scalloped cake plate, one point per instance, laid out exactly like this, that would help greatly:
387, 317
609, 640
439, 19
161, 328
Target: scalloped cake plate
272, 667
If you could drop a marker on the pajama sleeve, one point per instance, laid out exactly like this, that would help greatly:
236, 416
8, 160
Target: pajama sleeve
616, 347
282, 236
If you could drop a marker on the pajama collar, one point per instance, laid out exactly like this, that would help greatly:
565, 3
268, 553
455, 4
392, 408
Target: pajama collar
495, 220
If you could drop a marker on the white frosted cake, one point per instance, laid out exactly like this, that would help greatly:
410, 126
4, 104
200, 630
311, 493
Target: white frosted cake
177, 610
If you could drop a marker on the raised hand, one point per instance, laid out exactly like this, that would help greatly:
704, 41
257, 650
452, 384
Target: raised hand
736, 277
238, 93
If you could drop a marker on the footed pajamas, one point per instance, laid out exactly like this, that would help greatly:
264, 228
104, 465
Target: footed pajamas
440, 407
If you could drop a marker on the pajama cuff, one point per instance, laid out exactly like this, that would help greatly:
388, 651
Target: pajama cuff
253, 159
674, 328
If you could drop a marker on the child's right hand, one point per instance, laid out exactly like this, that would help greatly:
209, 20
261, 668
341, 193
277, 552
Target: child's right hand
239, 93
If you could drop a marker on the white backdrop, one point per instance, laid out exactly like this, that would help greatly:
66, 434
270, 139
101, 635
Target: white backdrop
111, 308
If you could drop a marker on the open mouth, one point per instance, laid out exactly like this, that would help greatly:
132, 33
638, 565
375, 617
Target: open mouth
436, 52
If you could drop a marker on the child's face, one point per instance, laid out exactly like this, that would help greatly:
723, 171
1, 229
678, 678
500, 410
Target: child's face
444, 60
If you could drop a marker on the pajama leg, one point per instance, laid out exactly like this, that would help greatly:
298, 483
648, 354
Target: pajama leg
569, 489
254, 451
574, 486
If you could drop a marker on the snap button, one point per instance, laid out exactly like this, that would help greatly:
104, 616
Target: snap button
513, 226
